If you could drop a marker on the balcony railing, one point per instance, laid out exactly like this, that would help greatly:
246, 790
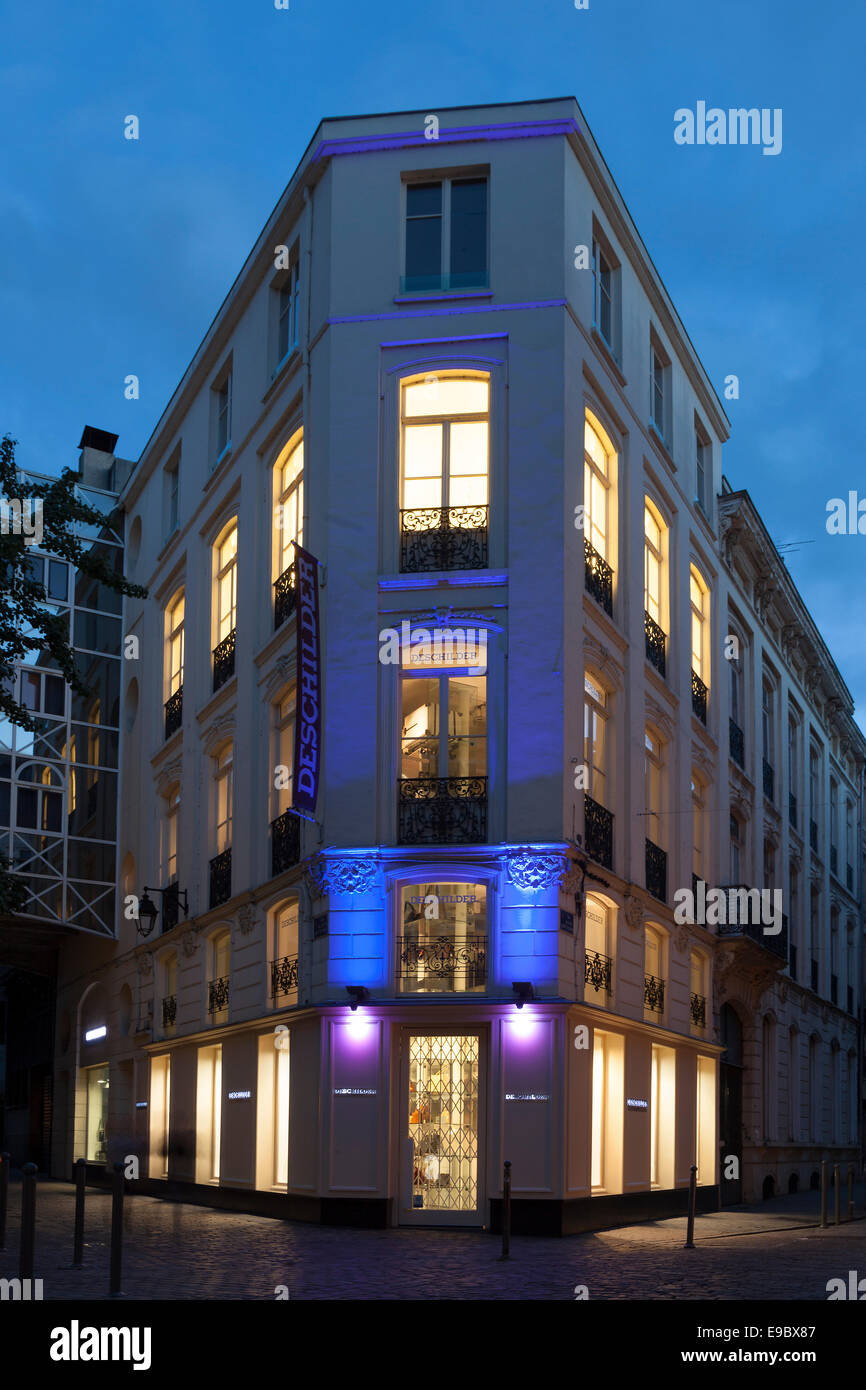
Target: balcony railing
285, 595
598, 971
775, 942
736, 743
769, 781
699, 697
442, 810
813, 835
792, 810
598, 577
443, 538
654, 994
834, 860
656, 871
656, 644
698, 1010
169, 1012
598, 832
285, 842
221, 878
224, 660
452, 964
174, 712
218, 995
284, 976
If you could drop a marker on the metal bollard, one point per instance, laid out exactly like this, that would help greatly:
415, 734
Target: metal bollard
28, 1221
5, 1161
506, 1211
850, 1191
116, 1231
693, 1193
78, 1237
836, 1194
823, 1192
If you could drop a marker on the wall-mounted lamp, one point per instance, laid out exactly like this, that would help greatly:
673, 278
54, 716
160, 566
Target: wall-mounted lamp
148, 910
357, 995
523, 990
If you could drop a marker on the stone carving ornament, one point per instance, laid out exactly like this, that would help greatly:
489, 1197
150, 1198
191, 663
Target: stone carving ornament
342, 874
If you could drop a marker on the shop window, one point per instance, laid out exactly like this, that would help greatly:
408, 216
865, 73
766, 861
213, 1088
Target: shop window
443, 943
97, 1114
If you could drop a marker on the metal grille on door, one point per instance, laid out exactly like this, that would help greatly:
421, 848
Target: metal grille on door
443, 1122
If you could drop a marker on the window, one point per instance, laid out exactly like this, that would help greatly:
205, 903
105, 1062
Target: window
654, 981
768, 722
208, 1114
97, 1114
608, 1106
595, 714
171, 493
285, 750
736, 837
699, 825
443, 760
698, 985
222, 416
227, 583
175, 644
168, 974
43, 692
442, 946
850, 851
793, 768
38, 798
703, 470
653, 528
605, 295
223, 777
596, 488
284, 952
660, 376
769, 864
834, 826
653, 786
289, 509
169, 837
446, 235
598, 965
814, 784
768, 1088
794, 1084
699, 598
289, 298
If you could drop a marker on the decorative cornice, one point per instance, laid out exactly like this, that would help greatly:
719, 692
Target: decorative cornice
169, 776
219, 732
604, 661
284, 670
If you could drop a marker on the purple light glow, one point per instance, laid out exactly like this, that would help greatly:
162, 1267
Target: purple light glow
522, 1023
394, 140
450, 311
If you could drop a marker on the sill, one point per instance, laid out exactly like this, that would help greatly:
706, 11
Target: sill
282, 371
437, 296
609, 355
218, 697
217, 466
662, 445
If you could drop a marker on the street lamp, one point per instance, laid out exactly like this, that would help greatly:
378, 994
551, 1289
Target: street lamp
148, 910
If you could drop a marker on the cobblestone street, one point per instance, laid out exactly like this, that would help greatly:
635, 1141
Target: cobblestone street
177, 1252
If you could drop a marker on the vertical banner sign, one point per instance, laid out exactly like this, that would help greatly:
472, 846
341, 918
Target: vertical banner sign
308, 717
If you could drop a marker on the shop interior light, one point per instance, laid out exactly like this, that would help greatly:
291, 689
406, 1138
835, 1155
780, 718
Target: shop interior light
523, 990
357, 995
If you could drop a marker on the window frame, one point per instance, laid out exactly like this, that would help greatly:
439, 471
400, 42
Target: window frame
445, 179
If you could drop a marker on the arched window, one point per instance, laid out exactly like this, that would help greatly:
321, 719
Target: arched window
655, 583
654, 975
699, 597
289, 503
171, 810
596, 743
283, 984
599, 514
737, 848
225, 604
223, 777
699, 825
174, 655
219, 980
653, 773
598, 964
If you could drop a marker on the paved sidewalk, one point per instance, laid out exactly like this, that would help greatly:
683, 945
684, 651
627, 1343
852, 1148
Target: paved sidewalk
176, 1251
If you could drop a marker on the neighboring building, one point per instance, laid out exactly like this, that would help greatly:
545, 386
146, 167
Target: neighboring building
432, 360
58, 802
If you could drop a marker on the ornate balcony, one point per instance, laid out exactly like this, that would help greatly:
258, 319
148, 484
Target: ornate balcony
449, 964
656, 644
285, 842
443, 538
224, 660
792, 810
218, 995
769, 781
598, 577
220, 878
442, 810
774, 942
598, 832
169, 1012
736, 744
656, 871
285, 595
699, 697
698, 1010
284, 976
598, 971
174, 712
813, 835
654, 994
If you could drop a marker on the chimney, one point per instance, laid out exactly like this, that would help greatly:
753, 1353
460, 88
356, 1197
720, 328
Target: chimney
96, 461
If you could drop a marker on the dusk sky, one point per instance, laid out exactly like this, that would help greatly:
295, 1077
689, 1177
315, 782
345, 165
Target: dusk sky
117, 254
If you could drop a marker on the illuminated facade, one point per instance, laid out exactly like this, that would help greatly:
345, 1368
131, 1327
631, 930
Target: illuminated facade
507, 468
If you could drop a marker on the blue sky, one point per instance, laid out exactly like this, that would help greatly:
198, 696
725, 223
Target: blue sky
116, 254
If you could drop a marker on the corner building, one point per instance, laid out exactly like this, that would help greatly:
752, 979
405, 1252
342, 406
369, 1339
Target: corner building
450, 372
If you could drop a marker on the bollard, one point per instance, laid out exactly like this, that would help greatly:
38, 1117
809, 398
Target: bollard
823, 1192
693, 1193
506, 1211
5, 1160
850, 1191
116, 1231
78, 1237
28, 1221
836, 1194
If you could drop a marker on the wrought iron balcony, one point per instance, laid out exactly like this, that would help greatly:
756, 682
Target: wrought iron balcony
598, 832
769, 781
656, 871
656, 644
699, 697
285, 595
284, 976
221, 878
285, 842
598, 971
174, 712
736, 744
849, 878
169, 1012
834, 860
598, 577
443, 538
218, 995
813, 835
170, 906
698, 1010
775, 942
813, 979
792, 810
448, 963
224, 660
654, 993
442, 810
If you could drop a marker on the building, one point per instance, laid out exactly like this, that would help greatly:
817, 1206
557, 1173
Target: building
449, 399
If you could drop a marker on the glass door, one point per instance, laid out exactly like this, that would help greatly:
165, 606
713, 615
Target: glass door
443, 1105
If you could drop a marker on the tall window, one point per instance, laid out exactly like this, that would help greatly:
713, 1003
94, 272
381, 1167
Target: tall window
653, 786
227, 583
660, 372
289, 509
699, 598
284, 952
169, 836
446, 235
222, 417
736, 835
596, 490
605, 295
444, 730
703, 471
698, 984
654, 971
794, 1084
768, 721
223, 778
699, 827
793, 768
445, 430
814, 784
653, 561
171, 487
834, 825
735, 663
595, 715
175, 643
285, 729
289, 293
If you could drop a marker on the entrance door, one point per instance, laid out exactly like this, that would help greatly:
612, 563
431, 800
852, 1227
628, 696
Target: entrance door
442, 1103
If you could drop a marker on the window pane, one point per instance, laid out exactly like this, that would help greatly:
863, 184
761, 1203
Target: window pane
424, 248
420, 731
595, 448
446, 396
467, 726
57, 580
468, 448
55, 693
468, 231
422, 451
423, 199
